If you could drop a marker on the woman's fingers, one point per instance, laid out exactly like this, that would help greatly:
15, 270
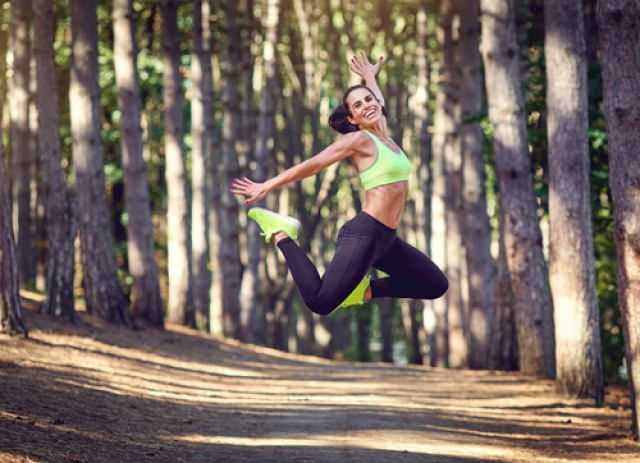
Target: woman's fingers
242, 181
251, 190
361, 64
240, 186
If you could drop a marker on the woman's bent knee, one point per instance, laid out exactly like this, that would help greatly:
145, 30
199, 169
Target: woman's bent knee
441, 287
321, 307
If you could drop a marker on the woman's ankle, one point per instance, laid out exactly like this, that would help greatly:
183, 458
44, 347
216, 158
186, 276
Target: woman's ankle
367, 294
279, 237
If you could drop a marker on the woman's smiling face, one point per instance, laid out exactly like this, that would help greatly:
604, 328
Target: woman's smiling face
364, 107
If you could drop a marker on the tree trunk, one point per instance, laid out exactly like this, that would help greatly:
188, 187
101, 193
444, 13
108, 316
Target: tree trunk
201, 79
571, 261
477, 230
503, 350
23, 159
4, 46
250, 40
440, 350
422, 147
450, 89
363, 335
103, 288
180, 308
523, 241
229, 245
412, 331
214, 314
38, 232
60, 219
385, 311
146, 300
619, 31
309, 143
252, 300
11, 319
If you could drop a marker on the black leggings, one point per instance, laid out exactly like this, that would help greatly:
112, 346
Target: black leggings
364, 242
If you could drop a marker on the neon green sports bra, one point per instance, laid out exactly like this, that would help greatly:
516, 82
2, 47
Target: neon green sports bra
388, 167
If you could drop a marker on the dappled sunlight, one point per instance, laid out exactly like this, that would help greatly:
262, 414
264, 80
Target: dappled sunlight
405, 443
184, 395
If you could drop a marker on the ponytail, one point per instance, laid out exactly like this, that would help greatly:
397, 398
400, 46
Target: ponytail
339, 120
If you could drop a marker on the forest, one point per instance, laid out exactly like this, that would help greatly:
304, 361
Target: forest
125, 123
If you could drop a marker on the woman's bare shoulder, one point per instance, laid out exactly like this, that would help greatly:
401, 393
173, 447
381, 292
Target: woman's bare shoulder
355, 141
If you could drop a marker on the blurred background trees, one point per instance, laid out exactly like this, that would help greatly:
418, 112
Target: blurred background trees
131, 118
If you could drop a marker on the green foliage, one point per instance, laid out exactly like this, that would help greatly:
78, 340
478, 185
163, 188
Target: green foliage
113, 173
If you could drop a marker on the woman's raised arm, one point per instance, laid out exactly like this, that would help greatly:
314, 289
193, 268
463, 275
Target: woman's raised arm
368, 71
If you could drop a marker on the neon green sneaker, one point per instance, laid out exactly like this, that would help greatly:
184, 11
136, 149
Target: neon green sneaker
272, 223
357, 295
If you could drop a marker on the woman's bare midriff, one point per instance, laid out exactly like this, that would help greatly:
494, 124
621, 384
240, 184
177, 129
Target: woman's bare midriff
386, 203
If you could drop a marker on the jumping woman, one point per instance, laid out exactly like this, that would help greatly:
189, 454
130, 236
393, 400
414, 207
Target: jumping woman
369, 239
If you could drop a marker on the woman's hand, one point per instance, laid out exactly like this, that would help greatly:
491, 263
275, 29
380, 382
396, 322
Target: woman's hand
363, 67
253, 191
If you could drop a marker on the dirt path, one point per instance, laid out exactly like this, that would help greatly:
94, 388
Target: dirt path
98, 394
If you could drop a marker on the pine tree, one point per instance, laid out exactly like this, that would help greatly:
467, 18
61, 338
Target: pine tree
619, 32
523, 240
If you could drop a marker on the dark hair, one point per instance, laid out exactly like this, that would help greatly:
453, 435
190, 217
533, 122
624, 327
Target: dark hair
339, 118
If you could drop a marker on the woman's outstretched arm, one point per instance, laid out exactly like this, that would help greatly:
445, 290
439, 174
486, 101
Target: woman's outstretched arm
342, 148
368, 71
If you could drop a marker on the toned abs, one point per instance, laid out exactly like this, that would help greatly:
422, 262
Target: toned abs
386, 203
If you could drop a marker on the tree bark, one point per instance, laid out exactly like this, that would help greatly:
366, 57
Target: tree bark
11, 318
363, 338
477, 230
214, 315
412, 330
60, 218
201, 79
422, 145
450, 88
309, 143
440, 350
38, 232
180, 308
503, 349
619, 31
103, 288
23, 159
229, 245
571, 261
252, 300
4, 46
523, 241
385, 311
146, 300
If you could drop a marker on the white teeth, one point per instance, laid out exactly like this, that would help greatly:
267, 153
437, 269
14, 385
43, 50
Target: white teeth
371, 113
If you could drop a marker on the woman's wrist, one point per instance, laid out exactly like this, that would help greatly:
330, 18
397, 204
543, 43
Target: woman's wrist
269, 185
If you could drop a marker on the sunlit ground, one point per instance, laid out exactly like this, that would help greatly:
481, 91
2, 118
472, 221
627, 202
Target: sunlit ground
95, 393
